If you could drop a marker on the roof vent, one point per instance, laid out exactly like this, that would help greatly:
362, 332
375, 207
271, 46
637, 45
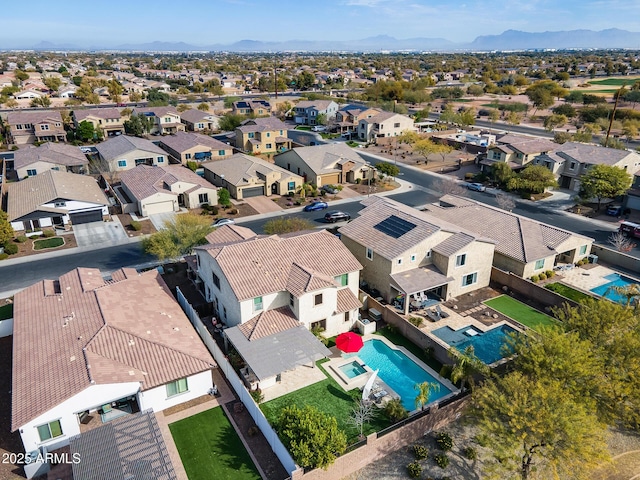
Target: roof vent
131, 343
72, 359
176, 329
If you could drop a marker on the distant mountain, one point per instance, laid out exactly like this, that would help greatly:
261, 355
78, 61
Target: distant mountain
517, 40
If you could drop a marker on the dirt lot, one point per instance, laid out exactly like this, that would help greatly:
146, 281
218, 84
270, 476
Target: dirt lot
146, 227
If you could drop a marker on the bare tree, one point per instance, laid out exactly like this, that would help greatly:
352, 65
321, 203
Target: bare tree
361, 415
620, 242
505, 202
448, 186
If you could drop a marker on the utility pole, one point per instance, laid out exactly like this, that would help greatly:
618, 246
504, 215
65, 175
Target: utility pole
613, 115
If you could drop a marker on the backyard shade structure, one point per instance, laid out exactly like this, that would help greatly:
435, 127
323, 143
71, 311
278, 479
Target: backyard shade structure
349, 342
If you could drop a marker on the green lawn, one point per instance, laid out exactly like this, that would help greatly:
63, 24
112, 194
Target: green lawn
210, 448
614, 81
6, 311
568, 292
52, 242
328, 397
520, 312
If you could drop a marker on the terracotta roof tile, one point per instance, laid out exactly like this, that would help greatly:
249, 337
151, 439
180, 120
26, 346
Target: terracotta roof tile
268, 323
347, 301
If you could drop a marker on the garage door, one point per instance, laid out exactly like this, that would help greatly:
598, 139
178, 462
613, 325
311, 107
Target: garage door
86, 217
332, 179
252, 192
160, 207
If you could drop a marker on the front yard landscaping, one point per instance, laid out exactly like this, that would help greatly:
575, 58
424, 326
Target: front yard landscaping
52, 242
520, 312
210, 448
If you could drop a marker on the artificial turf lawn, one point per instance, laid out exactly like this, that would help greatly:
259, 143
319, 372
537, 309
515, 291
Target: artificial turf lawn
48, 243
568, 292
520, 312
210, 448
328, 397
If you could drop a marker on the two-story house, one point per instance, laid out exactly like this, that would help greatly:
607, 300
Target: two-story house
408, 254
516, 150
262, 135
571, 160
166, 120
198, 121
306, 112
87, 346
124, 152
348, 117
257, 108
31, 160
106, 120
193, 147
36, 126
261, 286
385, 124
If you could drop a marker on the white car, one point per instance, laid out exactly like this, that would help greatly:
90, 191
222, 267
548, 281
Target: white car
222, 222
319, 128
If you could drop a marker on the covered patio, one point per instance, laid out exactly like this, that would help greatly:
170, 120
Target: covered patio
418, 288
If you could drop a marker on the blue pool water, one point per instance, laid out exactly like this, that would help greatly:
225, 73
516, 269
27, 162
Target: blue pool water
487, 346
399, 372
615, 280
353, 369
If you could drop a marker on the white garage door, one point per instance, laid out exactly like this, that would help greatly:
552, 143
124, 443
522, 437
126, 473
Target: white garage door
160, 207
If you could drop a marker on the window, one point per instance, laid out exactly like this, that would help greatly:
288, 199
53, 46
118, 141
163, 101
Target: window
32, 172
413, 257
251, 135
268, 145
317, 299
291, 186
60, 204
203, 198
50, 430
342, 280
469, 279
58, 124
221, 153
396, 125
461, 260
18, 127
268, 134
539, 264
160, 159
583, 249
177, 387
347, 316
280, 132
257, 304
224, 310
200, 125
428, 255
216, 280
369, 254
572, 165
399, 261
291, 299
122, 163
187, 156
44, 127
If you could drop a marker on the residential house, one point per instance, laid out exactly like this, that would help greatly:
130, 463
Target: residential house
385, 124
124, 152
306, 112
67, 91
246, 176
262, 135
86, 345
197, 121
516, 150
106, 120
31, 160
632, 197
270, 291
35, 126
571, 160
257, 108
185, 147
348, 117
524, 247
28, 94
328, 164
166, 120
409, 255
166, 189
475, 142
54, 198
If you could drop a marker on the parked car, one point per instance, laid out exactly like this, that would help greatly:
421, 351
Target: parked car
223, 221
316, 206
614, 210
332, 189
476, 187
337, 216
319, 128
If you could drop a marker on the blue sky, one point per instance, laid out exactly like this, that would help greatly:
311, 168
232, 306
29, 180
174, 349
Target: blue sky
202, 22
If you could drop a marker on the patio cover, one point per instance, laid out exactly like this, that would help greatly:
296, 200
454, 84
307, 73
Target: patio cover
273, 354
419, 279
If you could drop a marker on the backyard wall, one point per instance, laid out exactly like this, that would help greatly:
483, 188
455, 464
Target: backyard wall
381, 444
616, 259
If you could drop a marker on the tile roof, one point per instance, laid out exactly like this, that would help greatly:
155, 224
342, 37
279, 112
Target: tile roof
592, 154
317, 104
326, 158
268, 323
520, 238
29, 194
104, 113
82, 330
58, 153
262, 265
158, 111
33, 117
240, 169
524, 144
194, 115
302, 280
265, 124
229, 234
453, 244
123, 144
146, 180
347, 301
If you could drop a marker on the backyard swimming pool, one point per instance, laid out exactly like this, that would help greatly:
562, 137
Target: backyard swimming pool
486, 345
615, 280
399, 372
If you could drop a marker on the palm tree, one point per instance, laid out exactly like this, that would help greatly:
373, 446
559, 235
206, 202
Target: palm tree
630, 292
466, 366
395, 410
424, 390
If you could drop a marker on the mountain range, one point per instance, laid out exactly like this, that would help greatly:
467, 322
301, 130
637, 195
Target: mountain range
508, 40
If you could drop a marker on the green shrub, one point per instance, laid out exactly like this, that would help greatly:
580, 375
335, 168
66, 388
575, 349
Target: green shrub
233, 211
535, 278
22, 239
206, 207
420, 451
257, 395
298, 202
550, 273
136, 225
48, 234
11, 248
417, 321
414, 469
482, 440
542, 276
4, 256
441, 460
193, 166
444, 441
471, 453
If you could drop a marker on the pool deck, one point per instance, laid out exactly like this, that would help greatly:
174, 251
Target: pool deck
587, 279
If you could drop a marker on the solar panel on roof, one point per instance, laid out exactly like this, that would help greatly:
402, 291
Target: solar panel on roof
394, 226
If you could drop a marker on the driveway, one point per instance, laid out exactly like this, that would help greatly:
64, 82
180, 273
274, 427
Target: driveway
100, 234
263, 204
159, 219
